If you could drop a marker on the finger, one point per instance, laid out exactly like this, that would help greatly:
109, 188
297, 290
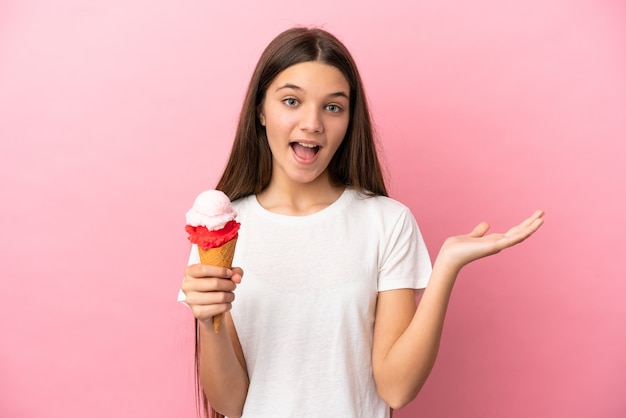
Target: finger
237, 275
531, 223
206, 270
479, 230
521, 232
533, 219
535, 225
207, 312
209, 298
209, 284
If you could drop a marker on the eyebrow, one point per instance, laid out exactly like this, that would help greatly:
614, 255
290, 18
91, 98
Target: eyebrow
295, 87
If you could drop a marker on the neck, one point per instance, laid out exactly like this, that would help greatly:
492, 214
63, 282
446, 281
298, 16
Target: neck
299, 199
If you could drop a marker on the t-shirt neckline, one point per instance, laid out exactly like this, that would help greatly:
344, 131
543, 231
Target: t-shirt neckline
329, 210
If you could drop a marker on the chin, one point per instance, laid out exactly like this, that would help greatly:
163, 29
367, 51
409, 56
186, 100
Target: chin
306, 178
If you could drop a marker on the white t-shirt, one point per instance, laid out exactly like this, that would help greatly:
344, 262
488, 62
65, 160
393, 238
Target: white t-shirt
304, 312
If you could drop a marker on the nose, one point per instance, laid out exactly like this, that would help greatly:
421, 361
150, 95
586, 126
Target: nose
311, 120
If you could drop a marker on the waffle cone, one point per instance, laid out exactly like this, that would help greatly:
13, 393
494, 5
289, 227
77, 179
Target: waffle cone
223, 257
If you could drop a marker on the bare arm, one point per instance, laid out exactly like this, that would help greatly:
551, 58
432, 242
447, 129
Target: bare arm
406, 336
223, 372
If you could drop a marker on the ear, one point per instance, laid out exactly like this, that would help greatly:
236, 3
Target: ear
262, 118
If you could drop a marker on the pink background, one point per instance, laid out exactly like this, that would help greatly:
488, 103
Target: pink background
115, 114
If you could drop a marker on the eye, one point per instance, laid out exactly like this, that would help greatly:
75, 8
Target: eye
334, 108
290, 101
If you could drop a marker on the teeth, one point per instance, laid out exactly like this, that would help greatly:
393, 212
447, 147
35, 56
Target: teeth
307, 145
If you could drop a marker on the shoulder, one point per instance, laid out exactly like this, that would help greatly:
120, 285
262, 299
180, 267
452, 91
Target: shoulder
383, 205
243, 202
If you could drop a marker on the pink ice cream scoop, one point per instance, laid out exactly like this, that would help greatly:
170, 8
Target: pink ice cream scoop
211, 221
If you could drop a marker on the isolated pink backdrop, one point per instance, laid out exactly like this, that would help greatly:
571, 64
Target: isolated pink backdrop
115, 114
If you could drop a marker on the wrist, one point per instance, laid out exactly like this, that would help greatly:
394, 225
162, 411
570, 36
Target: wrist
445, 267
206, 324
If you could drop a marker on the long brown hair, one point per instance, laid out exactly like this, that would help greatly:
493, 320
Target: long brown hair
249, 167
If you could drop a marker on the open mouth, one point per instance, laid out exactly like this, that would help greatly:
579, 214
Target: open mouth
304, 151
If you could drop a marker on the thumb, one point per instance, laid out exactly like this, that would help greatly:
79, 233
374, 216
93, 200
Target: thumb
479, 230
237, 274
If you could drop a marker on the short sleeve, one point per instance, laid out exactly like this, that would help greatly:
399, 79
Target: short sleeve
404, 259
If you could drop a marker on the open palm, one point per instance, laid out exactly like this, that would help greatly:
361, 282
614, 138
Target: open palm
463, 249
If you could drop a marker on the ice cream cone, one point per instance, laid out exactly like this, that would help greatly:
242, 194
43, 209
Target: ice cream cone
223, 257
211, 225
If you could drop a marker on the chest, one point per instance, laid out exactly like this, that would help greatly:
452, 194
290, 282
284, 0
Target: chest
310, 260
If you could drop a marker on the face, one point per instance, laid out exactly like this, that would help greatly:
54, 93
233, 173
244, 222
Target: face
306, 114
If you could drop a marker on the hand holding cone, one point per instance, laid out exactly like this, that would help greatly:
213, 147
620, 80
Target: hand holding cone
211, 225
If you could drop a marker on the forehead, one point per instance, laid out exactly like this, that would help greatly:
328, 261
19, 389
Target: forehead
312, 76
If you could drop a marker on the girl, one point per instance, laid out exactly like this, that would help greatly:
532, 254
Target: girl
326, 320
